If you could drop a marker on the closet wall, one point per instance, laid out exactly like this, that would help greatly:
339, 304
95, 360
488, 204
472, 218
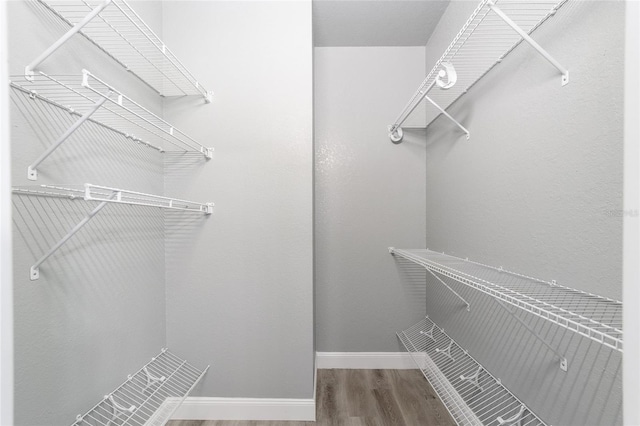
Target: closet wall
234, 289
369, 195
240, 288
97, 313
538, 190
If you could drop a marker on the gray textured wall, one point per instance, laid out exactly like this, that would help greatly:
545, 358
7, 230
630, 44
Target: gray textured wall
97, 313
534, 191
369, 196
240, 290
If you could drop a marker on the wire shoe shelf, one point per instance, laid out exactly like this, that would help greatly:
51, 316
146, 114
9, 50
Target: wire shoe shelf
148, 397
492, 31
469, 392
114, 27
93, 99
105, 195
595, 317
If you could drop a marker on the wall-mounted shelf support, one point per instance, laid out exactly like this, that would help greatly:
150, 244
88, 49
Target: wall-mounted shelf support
526, 37
395, 130
474, 379
564, 364
133, 404
116, 29
446, 351
106, 195
32, 170
29, 69
515, 420
451, 290
118, 409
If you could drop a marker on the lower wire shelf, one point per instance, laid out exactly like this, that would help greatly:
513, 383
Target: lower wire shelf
148, 397
469, 392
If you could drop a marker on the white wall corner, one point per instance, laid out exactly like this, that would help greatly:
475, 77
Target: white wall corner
281, 409
365, 360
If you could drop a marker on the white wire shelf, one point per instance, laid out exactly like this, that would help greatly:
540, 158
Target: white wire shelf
472, 395
590, 315
148, 397
91, 98
104, 195
118, 30
493, 30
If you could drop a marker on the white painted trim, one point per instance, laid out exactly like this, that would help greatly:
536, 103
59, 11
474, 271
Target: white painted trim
365, 360
631, 252
6, 277
282, 409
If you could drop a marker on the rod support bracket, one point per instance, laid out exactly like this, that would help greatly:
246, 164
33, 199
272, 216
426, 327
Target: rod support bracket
34, 273
395, 135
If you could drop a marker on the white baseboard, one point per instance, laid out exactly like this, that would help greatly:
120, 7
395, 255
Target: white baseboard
205, 408
365, 360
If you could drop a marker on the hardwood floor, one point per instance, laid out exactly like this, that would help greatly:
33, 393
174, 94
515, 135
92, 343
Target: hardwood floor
364, 398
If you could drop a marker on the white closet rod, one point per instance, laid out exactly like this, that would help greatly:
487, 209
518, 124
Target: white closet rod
106, 195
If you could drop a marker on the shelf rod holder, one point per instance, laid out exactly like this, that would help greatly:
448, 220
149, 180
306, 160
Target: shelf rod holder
32, 172
515, 420
526, 37
118, 409
35, 269
447, 351
450, 289
564, 364
474, 379
29, 69
395, 130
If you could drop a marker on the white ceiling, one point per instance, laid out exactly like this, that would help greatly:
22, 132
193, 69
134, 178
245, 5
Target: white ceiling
375, 23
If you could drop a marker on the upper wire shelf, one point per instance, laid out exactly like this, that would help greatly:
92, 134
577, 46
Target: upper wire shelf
472, 395
596, 317
93, 99
149, 397
492, 31
118, 30
105, 195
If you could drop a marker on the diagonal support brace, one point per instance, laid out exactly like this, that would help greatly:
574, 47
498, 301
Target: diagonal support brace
446, 114
450, 289
526, 37
32, 170
28, 70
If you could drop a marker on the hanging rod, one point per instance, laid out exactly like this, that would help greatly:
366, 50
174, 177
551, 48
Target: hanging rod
114, 27
595, 317
94, 100
492, 31
105, 195
135, 403
471, 394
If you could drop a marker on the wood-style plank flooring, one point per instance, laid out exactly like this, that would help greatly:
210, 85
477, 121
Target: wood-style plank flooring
364, 398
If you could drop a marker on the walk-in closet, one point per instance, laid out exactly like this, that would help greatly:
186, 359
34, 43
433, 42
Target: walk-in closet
327, 212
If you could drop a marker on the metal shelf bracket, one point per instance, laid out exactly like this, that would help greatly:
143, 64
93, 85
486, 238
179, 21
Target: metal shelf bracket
447, 351
118, 410
515, 420
526, 37
429, 333
474, 379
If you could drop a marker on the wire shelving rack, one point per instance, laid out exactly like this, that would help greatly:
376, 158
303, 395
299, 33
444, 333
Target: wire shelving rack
148, 397
91, 98
492, 31
104, 195
115, 28
595, 317
471, 394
